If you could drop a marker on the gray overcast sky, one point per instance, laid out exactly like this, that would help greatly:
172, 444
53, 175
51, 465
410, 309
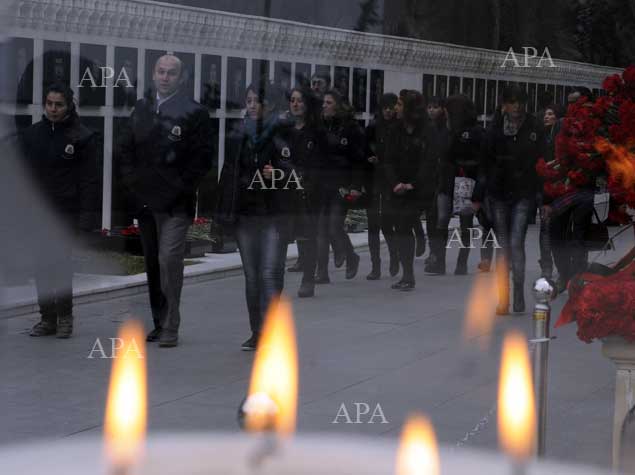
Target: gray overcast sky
335, 13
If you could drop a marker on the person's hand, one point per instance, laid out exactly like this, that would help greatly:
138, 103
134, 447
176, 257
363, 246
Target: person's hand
373, 159
399, 189
476, 206
408, 186
355, 193
267, 171
546, 210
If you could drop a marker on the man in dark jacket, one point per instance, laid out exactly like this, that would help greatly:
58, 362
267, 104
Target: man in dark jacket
61, 155
507, 173
164, 153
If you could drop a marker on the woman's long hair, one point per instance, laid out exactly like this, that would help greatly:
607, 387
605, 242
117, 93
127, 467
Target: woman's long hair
344, 111
414, 107
312, 105
461, 112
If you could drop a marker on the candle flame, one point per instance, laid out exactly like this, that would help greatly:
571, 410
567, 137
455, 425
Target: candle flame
273, 391
481, 309
126, 411
516, 405
418, 451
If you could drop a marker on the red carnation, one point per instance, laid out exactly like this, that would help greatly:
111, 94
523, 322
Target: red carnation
612, 83
629, 75
578, 178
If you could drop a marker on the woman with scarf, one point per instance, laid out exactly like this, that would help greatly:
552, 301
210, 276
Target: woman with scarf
408, 166
508, 175
252, 202
343, 178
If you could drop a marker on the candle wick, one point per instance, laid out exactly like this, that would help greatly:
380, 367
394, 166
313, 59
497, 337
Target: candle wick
265, 451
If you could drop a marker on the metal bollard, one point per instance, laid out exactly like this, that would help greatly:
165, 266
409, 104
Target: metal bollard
544, 291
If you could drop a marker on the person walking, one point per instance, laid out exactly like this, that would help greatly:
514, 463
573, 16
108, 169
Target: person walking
462, 160
377, 134
61, 155
302, 141
343, 176
254, 205
164, 153
408, 168
511, 149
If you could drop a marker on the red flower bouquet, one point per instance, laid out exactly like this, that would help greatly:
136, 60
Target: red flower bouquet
599, 138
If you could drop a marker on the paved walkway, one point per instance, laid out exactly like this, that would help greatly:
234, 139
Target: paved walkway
359, 342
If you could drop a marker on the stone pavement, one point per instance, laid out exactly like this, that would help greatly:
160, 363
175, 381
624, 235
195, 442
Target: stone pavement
359, 342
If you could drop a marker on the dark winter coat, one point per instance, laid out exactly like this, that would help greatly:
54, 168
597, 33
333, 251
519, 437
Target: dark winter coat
508, 163
163, 154
462, 157
409, 159
63, 160
377, 134
346, 164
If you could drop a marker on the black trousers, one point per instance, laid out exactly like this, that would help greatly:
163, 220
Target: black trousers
54, 279
378, 221
331, 230
403, 215
567, 239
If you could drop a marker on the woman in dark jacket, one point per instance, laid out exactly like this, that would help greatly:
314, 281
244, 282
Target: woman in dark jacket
462, 159
377, 134
253, 202
407, 167
61, 154
511, 149
300, 144
343, 176
552, 122
438, 211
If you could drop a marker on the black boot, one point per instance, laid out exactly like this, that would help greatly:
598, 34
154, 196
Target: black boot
48, 322
394, 264
375, 272
461, 262
352, 265
307, 289
519, 298
64, 326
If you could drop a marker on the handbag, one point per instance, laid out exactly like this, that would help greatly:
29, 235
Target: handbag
463, 188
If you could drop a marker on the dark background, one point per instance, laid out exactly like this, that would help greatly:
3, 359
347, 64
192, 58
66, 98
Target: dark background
594, 31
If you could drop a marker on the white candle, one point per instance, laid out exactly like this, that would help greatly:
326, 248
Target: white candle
218, 454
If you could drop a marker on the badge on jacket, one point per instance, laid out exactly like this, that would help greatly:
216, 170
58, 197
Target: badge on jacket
175, 134
465, 135
344, 141
533, 136
69, 151
286, 153
309, 145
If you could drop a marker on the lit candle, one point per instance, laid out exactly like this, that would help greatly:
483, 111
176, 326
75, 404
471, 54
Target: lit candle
125, 422
516, 405
418, 452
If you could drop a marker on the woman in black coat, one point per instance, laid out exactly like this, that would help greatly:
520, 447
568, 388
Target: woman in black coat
511, 149
300, 153
344, 172
61, 154
377, 134
461, 159
254, 202
408, 167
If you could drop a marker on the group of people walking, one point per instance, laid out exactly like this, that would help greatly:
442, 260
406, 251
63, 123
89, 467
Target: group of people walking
297, 163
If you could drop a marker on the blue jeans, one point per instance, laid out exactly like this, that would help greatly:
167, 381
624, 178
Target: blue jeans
262, 242
510, 226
